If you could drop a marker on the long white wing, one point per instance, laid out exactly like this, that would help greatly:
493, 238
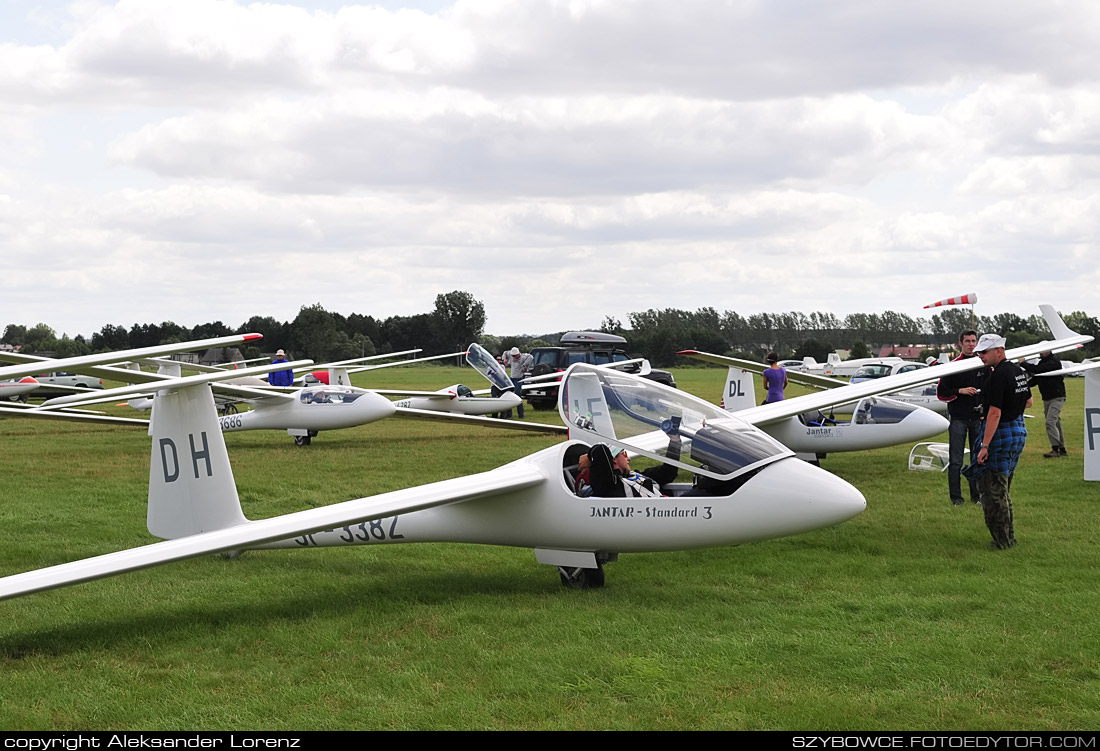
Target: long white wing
806, 379
71, 416
1067, 369
488, 422
142, 388
510, 477
69, 363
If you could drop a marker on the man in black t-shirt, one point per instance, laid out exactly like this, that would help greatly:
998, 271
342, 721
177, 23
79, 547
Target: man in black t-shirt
1005, 396
964, 411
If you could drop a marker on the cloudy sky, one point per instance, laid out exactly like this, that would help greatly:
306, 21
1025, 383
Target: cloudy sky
562, 160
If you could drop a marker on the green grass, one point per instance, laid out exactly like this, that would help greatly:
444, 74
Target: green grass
899, 619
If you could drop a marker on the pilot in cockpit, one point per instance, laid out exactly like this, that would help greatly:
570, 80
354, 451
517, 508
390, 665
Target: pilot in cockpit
611, 476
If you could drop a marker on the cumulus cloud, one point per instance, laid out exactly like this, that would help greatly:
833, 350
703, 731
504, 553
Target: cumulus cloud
560, 159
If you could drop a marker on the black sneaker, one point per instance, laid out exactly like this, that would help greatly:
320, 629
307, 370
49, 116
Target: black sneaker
957, 501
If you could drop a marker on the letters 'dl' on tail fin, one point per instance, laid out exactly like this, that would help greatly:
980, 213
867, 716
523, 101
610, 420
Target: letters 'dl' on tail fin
740, 390
191, 486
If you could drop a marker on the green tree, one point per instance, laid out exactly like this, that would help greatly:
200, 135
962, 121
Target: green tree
459, 319
859, 350
14, 334
318, 335
274, 333
818, 350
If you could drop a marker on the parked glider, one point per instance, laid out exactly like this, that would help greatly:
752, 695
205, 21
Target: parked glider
18, 389
876, 421
857, 425
461, 399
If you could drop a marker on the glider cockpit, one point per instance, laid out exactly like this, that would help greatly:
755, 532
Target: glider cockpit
330, 395
669, 426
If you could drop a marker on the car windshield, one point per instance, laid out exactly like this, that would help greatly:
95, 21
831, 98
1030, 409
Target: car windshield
547, 357
625, 411
867, 372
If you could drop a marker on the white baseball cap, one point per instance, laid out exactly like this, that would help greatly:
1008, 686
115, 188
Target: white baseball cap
989, 341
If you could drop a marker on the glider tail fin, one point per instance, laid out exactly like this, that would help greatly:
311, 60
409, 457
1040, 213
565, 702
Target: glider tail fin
740, 391
1057, 326
191, 486
1092, 424
338, 377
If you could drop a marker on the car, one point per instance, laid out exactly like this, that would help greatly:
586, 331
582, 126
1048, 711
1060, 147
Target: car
69, 380
592, 347
881, 370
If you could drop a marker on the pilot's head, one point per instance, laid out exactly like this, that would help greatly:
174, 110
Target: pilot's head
622, 461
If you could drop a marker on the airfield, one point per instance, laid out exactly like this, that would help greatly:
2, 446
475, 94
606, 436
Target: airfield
899, 619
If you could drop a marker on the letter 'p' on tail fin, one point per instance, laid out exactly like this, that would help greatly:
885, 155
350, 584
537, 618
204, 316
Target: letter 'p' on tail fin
191, 486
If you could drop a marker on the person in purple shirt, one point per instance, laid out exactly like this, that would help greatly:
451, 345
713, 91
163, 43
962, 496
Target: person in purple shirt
775, 379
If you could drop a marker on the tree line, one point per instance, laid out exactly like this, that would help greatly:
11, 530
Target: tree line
315, 333
458, 319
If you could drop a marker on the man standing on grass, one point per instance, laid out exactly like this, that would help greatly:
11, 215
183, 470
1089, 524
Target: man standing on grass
964, 410
1053, 391
1005, 396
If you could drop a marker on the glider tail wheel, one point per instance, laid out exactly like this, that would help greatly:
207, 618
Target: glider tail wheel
230, 409
581, 578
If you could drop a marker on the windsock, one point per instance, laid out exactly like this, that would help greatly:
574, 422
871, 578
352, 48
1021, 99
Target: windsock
967, 299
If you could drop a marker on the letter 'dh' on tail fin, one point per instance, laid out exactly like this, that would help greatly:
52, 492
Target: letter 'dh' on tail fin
191, 486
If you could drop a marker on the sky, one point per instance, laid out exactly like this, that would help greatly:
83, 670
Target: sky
561, 160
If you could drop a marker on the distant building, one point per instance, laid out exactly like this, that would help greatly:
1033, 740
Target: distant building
907, 352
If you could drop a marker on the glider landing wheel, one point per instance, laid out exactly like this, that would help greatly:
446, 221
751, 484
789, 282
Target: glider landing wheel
581, 578
230, 409
302, 440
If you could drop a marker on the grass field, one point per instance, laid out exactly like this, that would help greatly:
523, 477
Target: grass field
899, 619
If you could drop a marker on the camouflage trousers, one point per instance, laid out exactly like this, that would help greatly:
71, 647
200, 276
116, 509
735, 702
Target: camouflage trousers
997, 506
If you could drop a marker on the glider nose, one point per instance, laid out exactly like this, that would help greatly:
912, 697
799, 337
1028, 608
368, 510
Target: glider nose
375, 406
924, 423
511, 399
806, 497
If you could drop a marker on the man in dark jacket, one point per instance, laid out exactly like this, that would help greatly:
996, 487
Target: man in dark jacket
964, 411
280, 377
1053, 391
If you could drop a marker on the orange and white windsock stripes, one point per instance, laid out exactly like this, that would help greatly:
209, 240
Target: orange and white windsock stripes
967, 299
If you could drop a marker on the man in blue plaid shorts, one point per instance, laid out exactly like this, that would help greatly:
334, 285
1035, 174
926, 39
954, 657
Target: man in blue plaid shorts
1005, 396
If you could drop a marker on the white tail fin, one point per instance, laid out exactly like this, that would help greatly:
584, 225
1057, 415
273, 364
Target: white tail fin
338, 377
809, 363
833, 359
191, 486
1092, 424
740, 390
171, 369
1057, 326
